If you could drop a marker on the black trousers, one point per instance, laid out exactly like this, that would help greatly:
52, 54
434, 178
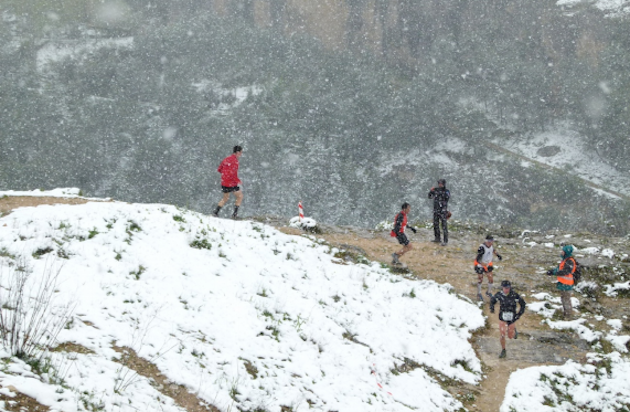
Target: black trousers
439, 216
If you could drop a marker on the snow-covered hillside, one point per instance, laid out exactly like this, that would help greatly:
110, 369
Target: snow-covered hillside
236, 312
569, 151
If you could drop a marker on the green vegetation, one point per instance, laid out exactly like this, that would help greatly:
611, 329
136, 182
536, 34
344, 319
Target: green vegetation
201, 244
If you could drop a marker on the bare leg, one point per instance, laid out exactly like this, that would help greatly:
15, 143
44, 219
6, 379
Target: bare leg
479, 282
226, 197
404, 250
503, 327
511, 330
239, 197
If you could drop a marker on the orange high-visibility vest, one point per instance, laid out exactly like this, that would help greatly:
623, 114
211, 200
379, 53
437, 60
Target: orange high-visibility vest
567, 279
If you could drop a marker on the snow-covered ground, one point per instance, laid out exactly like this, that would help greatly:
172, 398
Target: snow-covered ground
612, 8
240, 314
572, 156
600, 384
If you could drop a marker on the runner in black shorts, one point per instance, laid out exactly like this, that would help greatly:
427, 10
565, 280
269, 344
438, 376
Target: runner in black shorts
400, 222
226, 189
230, 181
508, 299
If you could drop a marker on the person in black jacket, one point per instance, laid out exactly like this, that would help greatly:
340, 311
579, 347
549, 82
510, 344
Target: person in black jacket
440, 196
508, 299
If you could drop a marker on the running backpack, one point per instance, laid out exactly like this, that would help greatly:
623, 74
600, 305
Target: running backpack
577, 275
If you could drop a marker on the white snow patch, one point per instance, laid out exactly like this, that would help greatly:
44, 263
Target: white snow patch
306, 222
576, 157
576, 325
200, 297
613, 290
545, 388
56, 52
69, 192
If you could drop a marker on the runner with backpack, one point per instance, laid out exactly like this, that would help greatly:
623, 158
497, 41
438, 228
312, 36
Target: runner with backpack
483, 264
566, 272
400, 223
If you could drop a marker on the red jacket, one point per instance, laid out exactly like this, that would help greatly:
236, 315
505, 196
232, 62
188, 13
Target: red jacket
400, 222
229, 171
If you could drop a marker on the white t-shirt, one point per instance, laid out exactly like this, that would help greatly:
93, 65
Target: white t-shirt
488, 251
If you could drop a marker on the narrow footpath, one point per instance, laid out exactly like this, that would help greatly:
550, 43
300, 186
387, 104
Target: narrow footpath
536, 343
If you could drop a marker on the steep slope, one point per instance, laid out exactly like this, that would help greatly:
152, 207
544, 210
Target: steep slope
553, 365
236, 313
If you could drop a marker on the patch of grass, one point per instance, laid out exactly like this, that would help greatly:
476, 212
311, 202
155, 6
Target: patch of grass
133, 227
548, 401
41, 252
62, 253
5, 253
201, 244
179, 218
64, 225
349, 335
92, 233
464, 364
357, 256
136, 273
411, 294
250, 368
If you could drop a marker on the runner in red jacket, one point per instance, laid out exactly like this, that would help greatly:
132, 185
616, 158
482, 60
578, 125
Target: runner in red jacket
400, 223
230, 181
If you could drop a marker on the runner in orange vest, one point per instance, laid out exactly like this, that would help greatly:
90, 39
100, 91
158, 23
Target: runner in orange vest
564, 273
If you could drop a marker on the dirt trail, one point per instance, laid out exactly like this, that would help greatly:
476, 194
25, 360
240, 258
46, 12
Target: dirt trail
536, 344
8, 203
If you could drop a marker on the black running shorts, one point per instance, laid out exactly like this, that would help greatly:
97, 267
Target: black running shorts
226, 189
402, 239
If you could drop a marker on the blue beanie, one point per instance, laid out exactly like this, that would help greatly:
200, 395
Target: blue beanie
568, 250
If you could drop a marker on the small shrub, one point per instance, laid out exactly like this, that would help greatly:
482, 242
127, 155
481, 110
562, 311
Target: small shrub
137, 273
29, 320
133, 227
41, 252
201, 244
